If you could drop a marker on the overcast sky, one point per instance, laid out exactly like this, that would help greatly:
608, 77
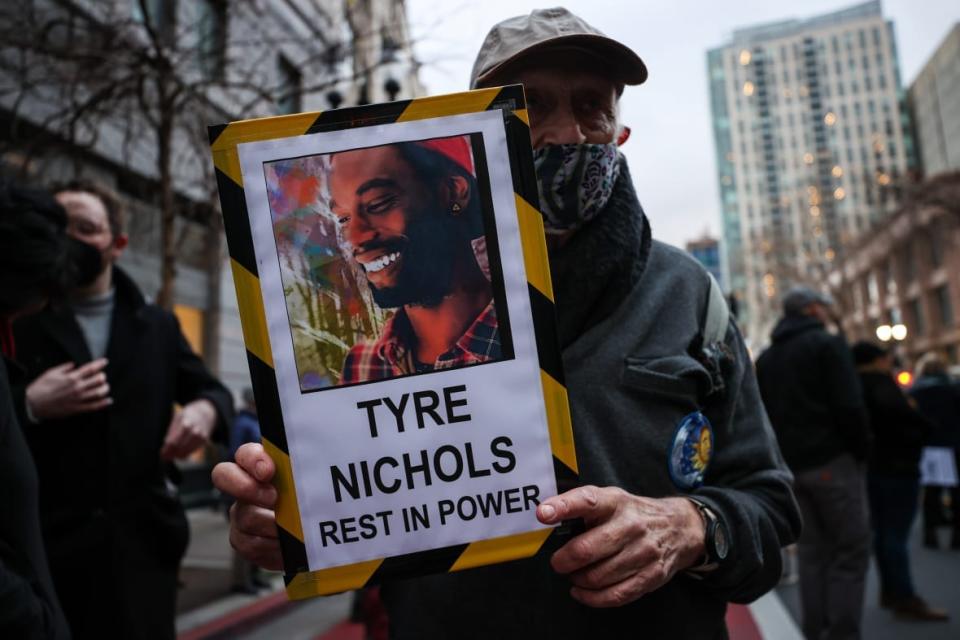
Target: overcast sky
671, 149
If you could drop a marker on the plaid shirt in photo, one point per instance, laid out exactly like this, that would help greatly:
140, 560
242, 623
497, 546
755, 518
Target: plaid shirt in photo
391, 356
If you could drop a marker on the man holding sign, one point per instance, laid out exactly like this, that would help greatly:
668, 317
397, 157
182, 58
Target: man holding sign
690, 501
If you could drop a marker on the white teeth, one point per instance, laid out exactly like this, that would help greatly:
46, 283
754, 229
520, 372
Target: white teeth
381, 262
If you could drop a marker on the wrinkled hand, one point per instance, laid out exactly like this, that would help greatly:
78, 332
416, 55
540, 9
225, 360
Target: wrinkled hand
632, 546
67, 390
253, 531
190, 428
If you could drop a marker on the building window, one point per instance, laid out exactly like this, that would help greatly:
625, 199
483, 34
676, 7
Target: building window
936, 247
212, 37
890, 282
161, 16
873, 291
944, 306
919, 327
857, 296
290, 88
909, 263
389, 46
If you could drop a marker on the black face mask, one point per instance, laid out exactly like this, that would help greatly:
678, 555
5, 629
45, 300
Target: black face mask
86, 262
76, 265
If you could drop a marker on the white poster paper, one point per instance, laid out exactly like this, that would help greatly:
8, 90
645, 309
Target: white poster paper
391, 455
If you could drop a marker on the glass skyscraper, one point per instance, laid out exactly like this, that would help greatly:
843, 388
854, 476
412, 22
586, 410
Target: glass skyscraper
812, 143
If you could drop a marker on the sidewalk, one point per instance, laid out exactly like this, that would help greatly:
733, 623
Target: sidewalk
935, 574
205, 574
208, 610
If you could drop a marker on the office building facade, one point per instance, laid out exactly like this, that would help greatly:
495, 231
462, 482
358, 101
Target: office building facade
905, 272
812, 140
935, 107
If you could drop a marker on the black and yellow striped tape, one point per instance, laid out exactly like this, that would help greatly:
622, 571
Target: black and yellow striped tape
301, 582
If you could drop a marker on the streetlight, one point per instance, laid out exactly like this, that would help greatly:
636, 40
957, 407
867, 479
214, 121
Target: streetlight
897, 332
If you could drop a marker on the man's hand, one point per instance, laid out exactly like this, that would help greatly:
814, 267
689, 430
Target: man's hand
253, 531
632, 546
190, 428
67, 390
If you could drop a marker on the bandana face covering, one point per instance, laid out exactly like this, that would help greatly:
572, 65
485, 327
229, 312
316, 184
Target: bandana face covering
575, 182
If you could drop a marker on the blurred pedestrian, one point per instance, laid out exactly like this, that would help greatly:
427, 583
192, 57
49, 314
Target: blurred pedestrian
893, 480
104, 370
37, 261
245, 428
812, 395
937, 398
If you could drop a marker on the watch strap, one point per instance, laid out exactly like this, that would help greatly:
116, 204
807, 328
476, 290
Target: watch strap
710, 521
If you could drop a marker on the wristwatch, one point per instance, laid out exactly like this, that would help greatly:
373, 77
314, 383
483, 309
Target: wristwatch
716, 539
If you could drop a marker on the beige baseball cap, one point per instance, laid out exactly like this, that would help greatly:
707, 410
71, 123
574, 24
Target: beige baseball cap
555, 28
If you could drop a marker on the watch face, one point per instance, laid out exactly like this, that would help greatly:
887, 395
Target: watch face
720, 542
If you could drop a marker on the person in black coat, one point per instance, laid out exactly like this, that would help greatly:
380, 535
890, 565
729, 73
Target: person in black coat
812, 395
37, 260
106, 369
893, 479
937, 398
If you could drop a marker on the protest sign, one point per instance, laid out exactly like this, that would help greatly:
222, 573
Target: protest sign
938, 467
394, 291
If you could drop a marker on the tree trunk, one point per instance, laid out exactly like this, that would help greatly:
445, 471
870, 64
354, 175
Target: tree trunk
168, 213
212, 317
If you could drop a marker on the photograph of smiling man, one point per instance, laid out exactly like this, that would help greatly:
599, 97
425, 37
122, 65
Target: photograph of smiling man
384, 260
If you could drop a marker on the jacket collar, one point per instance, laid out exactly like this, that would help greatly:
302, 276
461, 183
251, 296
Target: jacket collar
601, 263
790, 326
127, 290
61, 324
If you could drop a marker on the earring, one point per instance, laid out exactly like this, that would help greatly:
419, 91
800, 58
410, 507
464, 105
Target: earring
456, 208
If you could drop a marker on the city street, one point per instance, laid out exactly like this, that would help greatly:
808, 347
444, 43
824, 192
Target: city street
935, 576
208, 609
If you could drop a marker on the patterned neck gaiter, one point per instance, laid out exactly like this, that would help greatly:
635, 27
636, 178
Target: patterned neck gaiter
575, 182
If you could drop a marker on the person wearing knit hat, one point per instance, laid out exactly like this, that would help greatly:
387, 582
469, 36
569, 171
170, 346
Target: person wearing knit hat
685, 500
409, 216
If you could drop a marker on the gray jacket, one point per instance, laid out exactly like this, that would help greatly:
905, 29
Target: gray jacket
631, 379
